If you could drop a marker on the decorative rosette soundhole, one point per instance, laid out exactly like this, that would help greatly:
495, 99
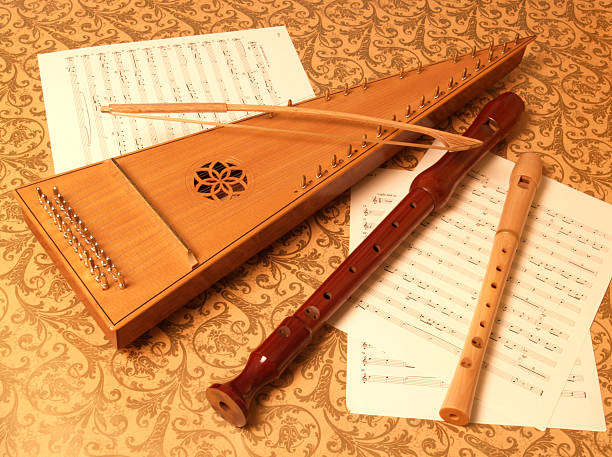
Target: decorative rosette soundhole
220, 180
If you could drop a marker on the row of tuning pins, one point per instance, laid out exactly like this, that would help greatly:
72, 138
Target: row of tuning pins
81, 240
419, 69
452, 83
410, 111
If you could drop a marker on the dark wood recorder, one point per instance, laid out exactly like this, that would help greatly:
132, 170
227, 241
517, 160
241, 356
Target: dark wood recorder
429, 191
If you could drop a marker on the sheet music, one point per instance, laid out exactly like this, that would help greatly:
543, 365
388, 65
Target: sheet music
379, 384
253, 66
424, 295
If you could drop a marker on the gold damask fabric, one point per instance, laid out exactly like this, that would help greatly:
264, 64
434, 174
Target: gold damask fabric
65, 391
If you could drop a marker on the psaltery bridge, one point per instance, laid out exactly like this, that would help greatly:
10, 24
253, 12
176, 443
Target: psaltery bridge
139, 235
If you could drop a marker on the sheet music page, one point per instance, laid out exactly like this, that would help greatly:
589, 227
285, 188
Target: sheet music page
379, 384
424, 296
257, 66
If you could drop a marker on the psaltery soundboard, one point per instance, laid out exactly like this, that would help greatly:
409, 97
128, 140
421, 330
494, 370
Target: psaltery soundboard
139, 235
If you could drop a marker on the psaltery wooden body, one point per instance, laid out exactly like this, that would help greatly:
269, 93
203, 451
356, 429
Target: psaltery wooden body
176, 217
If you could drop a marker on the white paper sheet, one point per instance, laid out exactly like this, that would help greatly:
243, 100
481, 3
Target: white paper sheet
253, 66
425, 294
381, 385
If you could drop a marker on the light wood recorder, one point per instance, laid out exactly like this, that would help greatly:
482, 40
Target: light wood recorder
139, 235
524, 182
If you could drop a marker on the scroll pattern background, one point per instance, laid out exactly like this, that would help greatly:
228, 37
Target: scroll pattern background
65, 391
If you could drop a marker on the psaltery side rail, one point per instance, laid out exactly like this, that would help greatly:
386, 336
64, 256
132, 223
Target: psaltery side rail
429, 191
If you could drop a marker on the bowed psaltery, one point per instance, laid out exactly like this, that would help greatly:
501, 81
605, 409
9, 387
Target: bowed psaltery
139, 235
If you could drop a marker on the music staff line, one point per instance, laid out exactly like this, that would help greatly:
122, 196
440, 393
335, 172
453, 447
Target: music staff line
479, 258
468, 305
368, 360
534, 226
571, 224
458, 336
472, 288
536, 223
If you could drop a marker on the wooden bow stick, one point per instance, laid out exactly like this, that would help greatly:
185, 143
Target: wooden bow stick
524, 182
451, 142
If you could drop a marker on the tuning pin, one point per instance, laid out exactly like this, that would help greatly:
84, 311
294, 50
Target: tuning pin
55, 191
401, 74
83, 255
289, 103
451, 82
64, 229
72, 241
51, 212
365, 84
106, 262
76, 246
504, 47
346, 89
91, 240
85, 234
364, 141
101, 278
91, 265
473, 52
59, 201
492, 45
478, 65
394, 117
327, 95
422, 104
303, 183
334, 162
379, 131
437, 92
95, 249
464, 74
319, 171
408, 111
490, 54
80, 226
120, 281
350, 151
41, 196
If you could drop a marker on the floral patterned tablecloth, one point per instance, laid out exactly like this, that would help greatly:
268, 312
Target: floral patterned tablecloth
65, 391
